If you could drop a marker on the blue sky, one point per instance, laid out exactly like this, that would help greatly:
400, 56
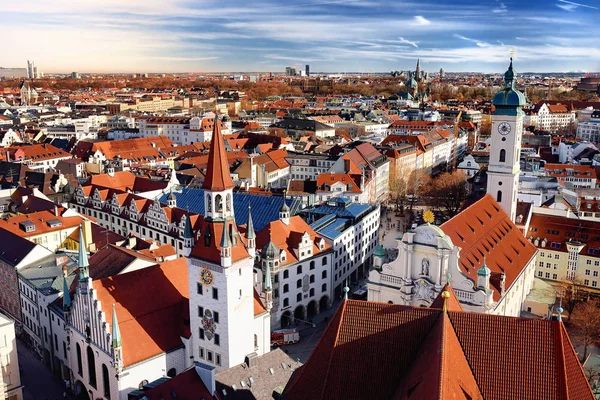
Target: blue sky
330, 35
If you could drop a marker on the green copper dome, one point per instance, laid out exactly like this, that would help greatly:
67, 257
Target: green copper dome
484, 270
509, 100
379, 251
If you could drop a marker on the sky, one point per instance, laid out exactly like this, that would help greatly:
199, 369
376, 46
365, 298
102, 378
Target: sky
330, 35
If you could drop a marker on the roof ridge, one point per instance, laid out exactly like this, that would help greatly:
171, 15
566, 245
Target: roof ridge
565, 335
337, 334
562, 379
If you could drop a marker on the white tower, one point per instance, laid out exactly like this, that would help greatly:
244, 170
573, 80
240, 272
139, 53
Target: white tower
507, 130
221, 273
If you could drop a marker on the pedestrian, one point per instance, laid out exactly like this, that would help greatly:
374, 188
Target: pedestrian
64, 395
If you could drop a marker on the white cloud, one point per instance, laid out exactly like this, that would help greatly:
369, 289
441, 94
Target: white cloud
502, 9
421, 20
402, 40
570, 5
477, 42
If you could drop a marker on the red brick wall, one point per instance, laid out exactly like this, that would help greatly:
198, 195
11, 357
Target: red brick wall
9, 291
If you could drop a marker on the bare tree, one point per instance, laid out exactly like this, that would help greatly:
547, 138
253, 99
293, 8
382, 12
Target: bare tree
572, 293
586, 321
448, 191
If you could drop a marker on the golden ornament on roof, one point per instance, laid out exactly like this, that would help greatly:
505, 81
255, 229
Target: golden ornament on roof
428, 217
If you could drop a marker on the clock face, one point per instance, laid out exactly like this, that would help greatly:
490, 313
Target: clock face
206, 277
504, 128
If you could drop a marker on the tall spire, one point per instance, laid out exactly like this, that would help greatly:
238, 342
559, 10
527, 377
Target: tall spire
116, 332
250, 234
187, 230
83, 262
66, 294
217, 173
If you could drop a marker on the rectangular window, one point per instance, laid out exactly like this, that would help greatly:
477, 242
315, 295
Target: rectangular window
199, 288
201, 352
586, 282
215, 293
547, 275
200, 311
209, 355
201, 333
216, 316
595, 273
218, 359
217, 339
554, 276
594, 283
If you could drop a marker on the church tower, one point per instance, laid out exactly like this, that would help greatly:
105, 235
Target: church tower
221, 273
507, 130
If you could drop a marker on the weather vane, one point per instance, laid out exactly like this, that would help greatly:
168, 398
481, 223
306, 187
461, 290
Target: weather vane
512, 53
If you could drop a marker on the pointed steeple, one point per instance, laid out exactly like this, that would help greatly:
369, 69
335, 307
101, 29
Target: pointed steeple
225, 239
187, 230
268, 283
509, 76
83, 262
66, 294
116, 332
217, 177
250, 234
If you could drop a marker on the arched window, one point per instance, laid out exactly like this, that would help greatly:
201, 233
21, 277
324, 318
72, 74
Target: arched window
91, 360
499, 196
142, 384
228, 202
324, 260
79, 363
502, 155
172, 372
219, 203
105, 381
208, 203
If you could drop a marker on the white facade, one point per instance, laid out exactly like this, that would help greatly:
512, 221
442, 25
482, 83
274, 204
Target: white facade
504, 166
427, 260
553, 121
10, 386
181, 131
469, 166
589, 131
305, 167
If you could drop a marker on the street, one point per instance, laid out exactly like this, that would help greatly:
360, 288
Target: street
38, 382
309, 336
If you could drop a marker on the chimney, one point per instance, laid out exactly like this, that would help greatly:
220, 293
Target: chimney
346, 165
56, 211
251, 360
7, 156
207, 374
86, 225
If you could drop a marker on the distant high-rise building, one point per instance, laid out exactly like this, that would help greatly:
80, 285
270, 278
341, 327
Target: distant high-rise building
30, 69
442, 73
291, 71
13, 73
35, 72
75, 75
307, 69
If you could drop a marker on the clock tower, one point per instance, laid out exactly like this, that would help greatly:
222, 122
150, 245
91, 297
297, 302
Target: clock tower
220, 272
507, 131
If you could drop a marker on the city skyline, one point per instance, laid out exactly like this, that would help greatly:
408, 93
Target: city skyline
332, 36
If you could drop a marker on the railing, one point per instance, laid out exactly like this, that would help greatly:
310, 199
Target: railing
391, 279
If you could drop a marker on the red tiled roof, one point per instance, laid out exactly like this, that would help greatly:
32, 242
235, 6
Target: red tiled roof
150, 325
484, 231
187, 385
383, 351
217, 173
